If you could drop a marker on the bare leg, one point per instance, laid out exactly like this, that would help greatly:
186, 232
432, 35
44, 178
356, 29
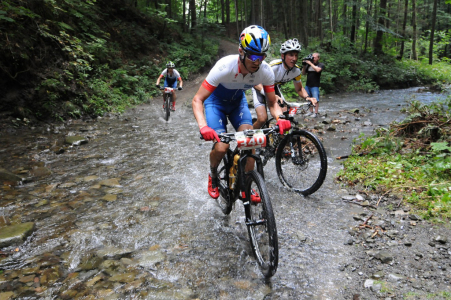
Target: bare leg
262, 116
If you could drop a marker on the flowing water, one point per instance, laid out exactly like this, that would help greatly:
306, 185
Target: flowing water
127, 214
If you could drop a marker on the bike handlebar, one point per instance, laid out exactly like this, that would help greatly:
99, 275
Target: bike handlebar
228, 137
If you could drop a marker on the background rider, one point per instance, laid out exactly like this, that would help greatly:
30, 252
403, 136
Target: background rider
171, 76
285, 69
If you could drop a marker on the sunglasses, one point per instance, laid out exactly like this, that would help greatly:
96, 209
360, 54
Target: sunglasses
256, 57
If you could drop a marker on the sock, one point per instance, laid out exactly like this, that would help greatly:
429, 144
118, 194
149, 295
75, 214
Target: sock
214, 172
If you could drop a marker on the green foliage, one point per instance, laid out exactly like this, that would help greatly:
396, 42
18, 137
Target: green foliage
100, 55
390, 161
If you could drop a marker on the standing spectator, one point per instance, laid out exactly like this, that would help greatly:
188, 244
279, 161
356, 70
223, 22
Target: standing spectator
313, 68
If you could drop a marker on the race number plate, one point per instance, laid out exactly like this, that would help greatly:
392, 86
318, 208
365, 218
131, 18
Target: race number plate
293, 111
168, 89
258, 140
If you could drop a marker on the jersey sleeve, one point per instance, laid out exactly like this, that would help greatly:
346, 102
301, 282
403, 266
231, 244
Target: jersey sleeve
164, 73
268, 78
219, 73
177, 74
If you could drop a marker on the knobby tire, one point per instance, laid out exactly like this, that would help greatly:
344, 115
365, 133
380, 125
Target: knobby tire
305, 172
167, 109
224, 201
261, 225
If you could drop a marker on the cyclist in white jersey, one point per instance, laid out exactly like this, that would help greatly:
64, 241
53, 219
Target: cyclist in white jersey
222, 95
285, 70
171, 78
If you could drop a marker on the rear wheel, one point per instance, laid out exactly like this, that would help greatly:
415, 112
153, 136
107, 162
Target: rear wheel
224, 201
167, 108
301, 162
261, 224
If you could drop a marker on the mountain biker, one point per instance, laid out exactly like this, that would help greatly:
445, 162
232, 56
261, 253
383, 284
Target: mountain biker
222, 95
171, 76
285, 69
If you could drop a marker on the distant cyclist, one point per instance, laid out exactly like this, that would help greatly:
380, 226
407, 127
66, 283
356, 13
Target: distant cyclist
171, 77
285, 70
222, 95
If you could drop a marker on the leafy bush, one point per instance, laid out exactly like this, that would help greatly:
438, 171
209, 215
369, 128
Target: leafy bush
409, 160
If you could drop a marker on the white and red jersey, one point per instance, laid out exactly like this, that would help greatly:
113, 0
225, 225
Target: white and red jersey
226, 76
175, 74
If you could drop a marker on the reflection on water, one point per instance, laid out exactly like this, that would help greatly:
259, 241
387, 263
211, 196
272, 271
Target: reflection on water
127, 215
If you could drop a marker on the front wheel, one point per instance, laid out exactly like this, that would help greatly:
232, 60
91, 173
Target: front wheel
225, 199
261, 224
167, 108
301, 162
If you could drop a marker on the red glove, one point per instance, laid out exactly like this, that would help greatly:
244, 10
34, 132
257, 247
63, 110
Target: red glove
209, 134
284, 125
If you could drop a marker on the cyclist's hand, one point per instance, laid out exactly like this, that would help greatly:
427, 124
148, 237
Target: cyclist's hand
209, 134
180, 88
312, 100
159, 86
284, 125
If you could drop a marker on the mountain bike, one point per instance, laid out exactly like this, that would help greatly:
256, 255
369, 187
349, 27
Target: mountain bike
167, 101
250, 187
301, 160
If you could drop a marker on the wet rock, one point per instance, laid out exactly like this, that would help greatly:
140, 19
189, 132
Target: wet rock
112, 182
384, 257
441, 239
109, 197
6, 296
367, 123
149, 259
113, 252
123, 278
331, 128
40, 172
9, 176
15, 234
359, 197
75, 140
348, 197
90, 262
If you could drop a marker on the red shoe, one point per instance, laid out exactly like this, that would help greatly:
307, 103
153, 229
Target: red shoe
173, 106
212, 188
255, 197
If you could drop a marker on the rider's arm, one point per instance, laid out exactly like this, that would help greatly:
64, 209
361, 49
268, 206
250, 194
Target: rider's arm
181, 82
303, 93
159, 78
274, 108
198, 106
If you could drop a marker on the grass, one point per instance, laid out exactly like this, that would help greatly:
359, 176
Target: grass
412, 160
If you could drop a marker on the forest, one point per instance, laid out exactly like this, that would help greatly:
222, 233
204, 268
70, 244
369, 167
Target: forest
69, 58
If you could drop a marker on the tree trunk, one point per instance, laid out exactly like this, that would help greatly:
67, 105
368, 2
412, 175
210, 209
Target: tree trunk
414, 26
236, 17
353, 20
227, 3
379, 33
222, 12
431, 43
330, 20
367, 24
345, 23
184, 16
192, 9
404, 23
304, 13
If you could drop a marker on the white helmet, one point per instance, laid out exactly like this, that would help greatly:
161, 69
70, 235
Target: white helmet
290, 45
